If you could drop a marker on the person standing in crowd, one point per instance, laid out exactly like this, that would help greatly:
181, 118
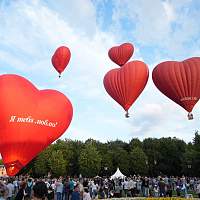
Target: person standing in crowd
198, 189
50, 193
75, 193
71, 187
86, 194
90, 187
85, 183
178, 191
117, 192
94, 189
39, 190
139, 186
16, 186
59, 189
66, 188
161, 185
126, 187
146, 187
28, 188
169, 189
106, 186
11, 189
184, 189
131, 187
3, 190
156, 191
21, 193
81, 188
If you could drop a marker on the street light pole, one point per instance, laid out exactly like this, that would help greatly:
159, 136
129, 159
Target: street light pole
155, 163
147, 166
189, 167
106, 168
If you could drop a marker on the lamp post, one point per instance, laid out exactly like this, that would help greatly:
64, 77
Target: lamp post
189, 168
147, 163
70, 168
106, 169
155, 163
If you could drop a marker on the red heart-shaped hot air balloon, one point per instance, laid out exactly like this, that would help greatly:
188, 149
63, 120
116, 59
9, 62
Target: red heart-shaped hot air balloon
125, 84
30, 120
121, 54
179, 81
60, 59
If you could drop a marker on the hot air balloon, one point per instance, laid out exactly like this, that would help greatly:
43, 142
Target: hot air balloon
30, 120
121, 54
60, 59
179, 81
125, 84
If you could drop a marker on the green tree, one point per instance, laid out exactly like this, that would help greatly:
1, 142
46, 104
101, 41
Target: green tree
189, 162
66, 149
120, 158
171, 156
89, 161
138, 161
152, 151
76, 147
118, 144
106, 163
41, 165
57, 163
196, 141
196, 153
135, 142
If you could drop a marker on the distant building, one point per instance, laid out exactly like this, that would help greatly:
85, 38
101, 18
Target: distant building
3, 170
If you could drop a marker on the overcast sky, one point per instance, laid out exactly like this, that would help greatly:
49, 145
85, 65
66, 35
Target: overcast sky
31, 30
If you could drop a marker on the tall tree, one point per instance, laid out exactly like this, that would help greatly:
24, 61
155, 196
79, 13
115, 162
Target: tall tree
120, 158
171, 156
57, 163
41, 164
135, 142
196, 147
152, 151
138, 162
90, 161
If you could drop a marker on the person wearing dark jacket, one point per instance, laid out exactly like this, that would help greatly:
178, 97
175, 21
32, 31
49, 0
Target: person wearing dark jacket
21, 193
76, 193
40, 190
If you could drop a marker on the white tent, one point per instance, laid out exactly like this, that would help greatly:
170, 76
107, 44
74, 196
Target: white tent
117, 174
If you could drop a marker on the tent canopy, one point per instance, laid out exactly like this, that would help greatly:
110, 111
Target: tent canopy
117, 174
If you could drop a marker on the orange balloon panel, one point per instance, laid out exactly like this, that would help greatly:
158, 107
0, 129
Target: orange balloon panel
30, 120
125, 84
179, 81
61, 58
121, 54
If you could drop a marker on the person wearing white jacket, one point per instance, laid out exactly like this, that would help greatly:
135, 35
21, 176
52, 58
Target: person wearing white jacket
198, 189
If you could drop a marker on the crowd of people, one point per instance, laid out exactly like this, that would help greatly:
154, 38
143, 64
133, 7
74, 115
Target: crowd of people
25, 188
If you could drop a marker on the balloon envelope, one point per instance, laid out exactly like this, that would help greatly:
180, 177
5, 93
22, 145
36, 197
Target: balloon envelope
121, 54
125, 84
179, 81
61, 58
30, 120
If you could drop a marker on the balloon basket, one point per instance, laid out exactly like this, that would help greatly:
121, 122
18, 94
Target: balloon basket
13, 168
127, 115
190, 116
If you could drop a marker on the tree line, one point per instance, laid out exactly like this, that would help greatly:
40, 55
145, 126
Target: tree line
151, 157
